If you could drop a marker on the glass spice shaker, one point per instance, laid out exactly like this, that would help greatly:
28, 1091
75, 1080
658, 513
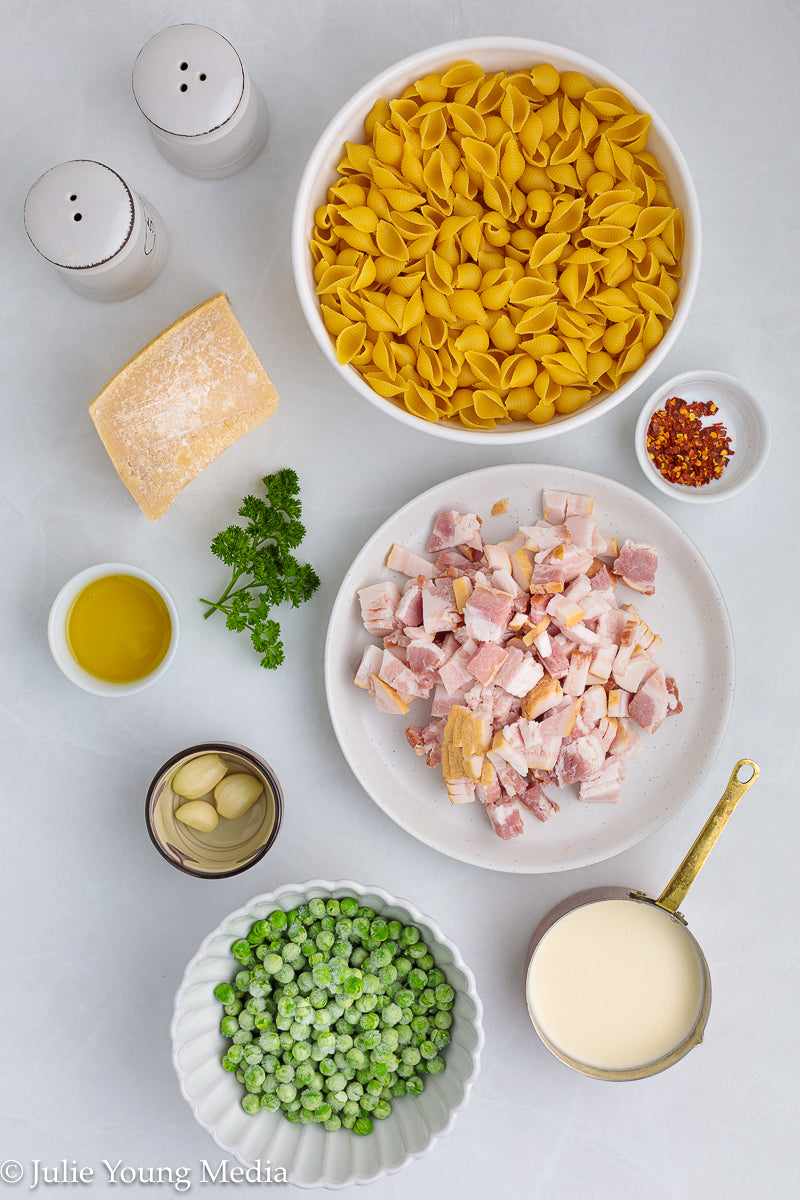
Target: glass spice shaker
106, 241
205, 114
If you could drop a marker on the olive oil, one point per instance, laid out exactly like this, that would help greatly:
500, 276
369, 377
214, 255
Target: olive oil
118, 628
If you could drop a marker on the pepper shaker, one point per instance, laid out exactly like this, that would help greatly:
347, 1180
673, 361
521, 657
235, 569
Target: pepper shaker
205, 114
106, 241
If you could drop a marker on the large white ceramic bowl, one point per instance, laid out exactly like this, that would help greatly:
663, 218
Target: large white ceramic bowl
493, 54
310, 1156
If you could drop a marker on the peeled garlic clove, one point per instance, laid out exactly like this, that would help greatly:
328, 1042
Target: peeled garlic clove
198, 776
199, 814
236, 794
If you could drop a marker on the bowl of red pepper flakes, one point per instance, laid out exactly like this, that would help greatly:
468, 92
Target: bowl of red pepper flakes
702, 436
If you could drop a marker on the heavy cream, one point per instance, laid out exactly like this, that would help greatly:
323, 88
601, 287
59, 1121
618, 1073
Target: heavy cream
615, 984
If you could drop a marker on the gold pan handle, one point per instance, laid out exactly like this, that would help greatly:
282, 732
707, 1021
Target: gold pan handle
675, 891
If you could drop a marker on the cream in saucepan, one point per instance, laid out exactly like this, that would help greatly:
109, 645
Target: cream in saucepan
615, 984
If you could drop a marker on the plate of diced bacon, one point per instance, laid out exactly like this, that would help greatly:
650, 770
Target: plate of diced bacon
529, 668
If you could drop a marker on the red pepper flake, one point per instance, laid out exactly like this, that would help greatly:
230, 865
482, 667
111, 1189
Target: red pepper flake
682, 448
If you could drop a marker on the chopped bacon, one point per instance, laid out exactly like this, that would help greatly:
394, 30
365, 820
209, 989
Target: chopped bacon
636, 565
455, 529
379, 607
407, 563
486, 614
535, 675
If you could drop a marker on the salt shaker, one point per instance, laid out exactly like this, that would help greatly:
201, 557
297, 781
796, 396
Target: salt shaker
205, 114
107, 242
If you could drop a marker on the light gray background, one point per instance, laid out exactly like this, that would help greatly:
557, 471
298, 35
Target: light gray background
97, 928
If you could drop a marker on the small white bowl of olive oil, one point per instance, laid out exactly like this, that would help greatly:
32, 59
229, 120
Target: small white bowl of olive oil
113, 629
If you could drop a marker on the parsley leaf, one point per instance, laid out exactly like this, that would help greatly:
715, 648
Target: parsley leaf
264, 572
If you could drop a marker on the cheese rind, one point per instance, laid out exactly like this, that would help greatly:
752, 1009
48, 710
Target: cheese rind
188, 395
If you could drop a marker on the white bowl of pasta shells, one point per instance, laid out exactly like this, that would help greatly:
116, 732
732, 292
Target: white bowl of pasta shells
507, 249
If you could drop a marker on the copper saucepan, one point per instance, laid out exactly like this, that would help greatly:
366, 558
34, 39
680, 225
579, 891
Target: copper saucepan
668, 902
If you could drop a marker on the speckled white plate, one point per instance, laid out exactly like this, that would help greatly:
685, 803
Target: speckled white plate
688, 611
307, 1155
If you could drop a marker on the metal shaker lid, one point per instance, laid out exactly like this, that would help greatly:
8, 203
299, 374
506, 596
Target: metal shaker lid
188, 80
79, 214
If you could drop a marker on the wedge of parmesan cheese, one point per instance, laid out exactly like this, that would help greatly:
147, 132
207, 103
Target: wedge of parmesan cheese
187, 396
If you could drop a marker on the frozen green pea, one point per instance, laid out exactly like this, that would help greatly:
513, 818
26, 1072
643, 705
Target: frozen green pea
242, 951
251, 1104
224, 993
228, 1026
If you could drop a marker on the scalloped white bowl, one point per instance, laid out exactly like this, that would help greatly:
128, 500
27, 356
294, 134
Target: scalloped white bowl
493, 54
310, 1156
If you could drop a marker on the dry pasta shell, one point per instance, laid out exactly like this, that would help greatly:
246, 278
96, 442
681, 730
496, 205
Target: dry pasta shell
608, 102
546, 79
334, 277
630, 130
496, 296
654, 299
520, 401
531, 133
567, 149
378, 319
436, 303
433, 331
429, 367
411, 168
514, 108
653, 331
606, 234
541, 344
349, 342
469, 417
467, 121
438, 174
433, 128
462, 73
562, 368
472, 337
420, 401
335, 321
389, 242
480, 157
547, 248
484, 367
570, 399
538, 320
543, 411
503, 336
403, 199
388, 388
438, 272
488, 405
388, 145
567, 216
467, 305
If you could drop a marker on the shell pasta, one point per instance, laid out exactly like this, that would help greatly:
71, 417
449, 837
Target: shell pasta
502, 246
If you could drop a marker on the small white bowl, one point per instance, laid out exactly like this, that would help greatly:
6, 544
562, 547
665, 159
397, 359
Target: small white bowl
310, 1155
57, 631
493, 54
739, 410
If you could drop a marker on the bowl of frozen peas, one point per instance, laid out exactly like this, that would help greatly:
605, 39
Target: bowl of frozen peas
328, 1028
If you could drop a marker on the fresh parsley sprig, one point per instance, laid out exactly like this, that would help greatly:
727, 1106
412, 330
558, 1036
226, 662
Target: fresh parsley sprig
264, 572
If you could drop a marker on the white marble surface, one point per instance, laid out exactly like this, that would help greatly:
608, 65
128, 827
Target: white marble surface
97, 927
